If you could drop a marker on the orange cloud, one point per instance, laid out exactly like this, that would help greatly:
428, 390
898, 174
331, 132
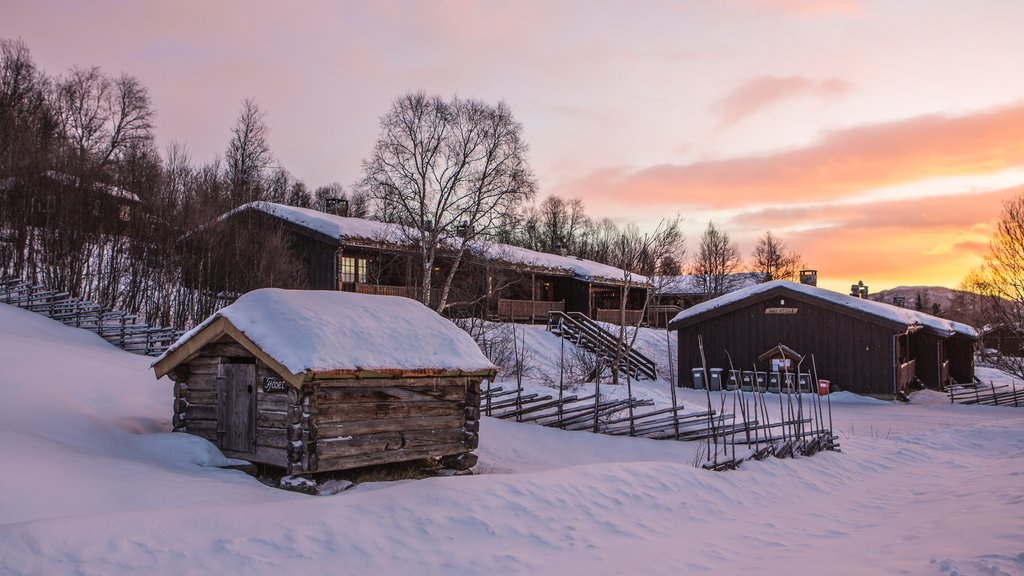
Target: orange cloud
953, 212
765, 91
843, 163
925, 241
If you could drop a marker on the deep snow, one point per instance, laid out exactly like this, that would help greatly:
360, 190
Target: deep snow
92, 483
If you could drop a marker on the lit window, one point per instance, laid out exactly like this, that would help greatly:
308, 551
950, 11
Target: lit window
361, 272
348, 269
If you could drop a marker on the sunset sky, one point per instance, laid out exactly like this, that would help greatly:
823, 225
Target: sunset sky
879, 139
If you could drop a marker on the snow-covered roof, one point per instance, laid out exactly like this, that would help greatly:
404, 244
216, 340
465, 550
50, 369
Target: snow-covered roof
329, 332
109, 189
338, 227
693, 284
578, 267
69, 180
344, 228
903, 316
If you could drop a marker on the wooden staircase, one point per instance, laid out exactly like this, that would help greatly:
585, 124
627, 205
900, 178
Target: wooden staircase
590, 336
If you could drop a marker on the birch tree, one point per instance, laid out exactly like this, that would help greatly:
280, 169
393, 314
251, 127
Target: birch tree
446, 171
1000, 280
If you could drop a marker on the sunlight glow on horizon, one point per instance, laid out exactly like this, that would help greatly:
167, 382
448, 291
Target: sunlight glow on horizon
859, 132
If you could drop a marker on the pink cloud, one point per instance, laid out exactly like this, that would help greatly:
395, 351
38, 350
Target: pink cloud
843, 163
766, 91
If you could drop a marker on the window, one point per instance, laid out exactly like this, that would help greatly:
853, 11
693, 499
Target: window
348, 270
361, 270
353, 270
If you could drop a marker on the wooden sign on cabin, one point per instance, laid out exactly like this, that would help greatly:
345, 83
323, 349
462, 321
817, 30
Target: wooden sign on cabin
313, 381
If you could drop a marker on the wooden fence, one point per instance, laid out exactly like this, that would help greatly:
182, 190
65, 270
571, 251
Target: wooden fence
613, 315
529, 310
122, 330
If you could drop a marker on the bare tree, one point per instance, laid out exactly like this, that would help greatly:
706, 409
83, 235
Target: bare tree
446, 171
358, 200
248, 155
716, 260
1000, 280
773, 259
102, 117
637, 252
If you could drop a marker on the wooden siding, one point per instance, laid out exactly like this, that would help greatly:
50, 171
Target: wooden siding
377, 421
929, 351
328, 424
852, 353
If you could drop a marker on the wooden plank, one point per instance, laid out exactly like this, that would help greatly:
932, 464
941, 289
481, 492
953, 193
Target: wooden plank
404, 455
348, 412
201, 412
202, 382
227, 349
204, 365
204, 429
269, 419
201, 397
262, 455
272, 402
392, 393
387, 441
272, 437
411, 383
332, 429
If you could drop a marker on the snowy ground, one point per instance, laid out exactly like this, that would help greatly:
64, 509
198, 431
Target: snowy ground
92, 483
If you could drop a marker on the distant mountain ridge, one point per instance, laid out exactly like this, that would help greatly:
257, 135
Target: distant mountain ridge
929, 296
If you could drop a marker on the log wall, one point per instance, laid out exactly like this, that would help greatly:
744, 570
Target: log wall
334, 424
378, 421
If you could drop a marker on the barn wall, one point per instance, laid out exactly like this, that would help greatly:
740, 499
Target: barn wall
377, 421
852, 353
927, 349
960, 351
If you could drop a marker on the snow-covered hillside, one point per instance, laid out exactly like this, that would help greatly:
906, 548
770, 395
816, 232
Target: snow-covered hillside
92, 483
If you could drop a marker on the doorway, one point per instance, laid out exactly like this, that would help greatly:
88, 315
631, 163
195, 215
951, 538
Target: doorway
236, 395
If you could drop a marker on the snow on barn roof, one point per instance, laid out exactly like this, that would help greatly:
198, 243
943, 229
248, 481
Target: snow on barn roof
323, 331
878, 309
693, 284
341, 227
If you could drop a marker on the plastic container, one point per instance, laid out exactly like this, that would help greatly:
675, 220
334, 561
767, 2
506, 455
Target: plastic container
715, 379
823, 387
733, 381
698, 378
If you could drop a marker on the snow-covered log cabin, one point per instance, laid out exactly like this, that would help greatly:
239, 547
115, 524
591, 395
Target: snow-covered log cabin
858, 345
495, 280
313, 381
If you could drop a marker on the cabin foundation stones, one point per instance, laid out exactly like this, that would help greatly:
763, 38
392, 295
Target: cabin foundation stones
315, 382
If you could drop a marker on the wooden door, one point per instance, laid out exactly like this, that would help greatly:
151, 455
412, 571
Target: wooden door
237, 402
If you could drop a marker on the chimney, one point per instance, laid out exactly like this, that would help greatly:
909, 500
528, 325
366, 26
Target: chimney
809, 277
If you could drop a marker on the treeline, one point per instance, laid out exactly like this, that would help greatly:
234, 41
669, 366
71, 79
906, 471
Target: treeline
89, 204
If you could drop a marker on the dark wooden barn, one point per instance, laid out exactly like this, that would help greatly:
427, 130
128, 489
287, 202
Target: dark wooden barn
497, 280
858, 345
313, 381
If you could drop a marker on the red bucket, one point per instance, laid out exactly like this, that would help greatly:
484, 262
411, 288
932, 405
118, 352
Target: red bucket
823, 387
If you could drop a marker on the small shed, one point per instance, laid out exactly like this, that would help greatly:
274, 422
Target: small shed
859, 345
314, 381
